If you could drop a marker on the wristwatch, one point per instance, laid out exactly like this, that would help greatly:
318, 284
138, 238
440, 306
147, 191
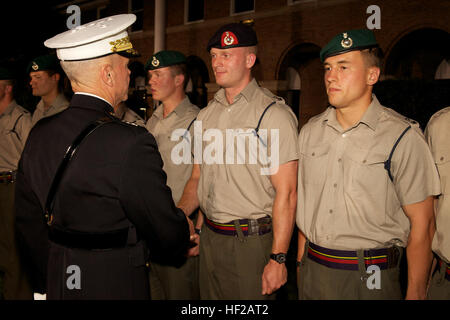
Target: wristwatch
278, 257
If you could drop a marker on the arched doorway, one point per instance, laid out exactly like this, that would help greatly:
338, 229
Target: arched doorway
409, 85
303, 72
196, 89
418, 54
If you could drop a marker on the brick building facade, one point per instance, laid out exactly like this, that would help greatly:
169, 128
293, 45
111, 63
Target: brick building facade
414, 35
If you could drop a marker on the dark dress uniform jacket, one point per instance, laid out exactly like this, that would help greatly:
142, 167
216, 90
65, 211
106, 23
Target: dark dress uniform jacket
114, 182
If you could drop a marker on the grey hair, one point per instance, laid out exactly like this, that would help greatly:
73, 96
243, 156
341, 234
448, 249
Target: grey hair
84, 70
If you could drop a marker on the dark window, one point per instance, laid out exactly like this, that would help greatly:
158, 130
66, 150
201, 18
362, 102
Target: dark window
137, 7
195, 10
243, 5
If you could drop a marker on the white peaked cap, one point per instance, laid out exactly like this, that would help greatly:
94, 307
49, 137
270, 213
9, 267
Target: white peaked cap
95, 39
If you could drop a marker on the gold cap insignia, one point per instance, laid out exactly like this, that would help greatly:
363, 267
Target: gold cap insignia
121, 45
35, 66
346, 42
155, 62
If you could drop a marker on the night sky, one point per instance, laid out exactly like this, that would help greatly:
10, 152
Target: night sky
25, 26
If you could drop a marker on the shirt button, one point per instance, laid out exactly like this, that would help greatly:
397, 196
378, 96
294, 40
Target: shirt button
339, 160
313, 154
344, 135
331, 211
442, 158
335, 185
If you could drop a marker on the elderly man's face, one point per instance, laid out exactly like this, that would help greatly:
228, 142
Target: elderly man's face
122, 76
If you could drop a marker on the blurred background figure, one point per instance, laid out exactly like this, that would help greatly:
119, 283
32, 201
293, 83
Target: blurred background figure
15, 124
46, 82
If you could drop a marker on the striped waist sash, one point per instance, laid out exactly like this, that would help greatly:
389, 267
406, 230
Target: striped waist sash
384, 258
447, 270
249, 227
7, 176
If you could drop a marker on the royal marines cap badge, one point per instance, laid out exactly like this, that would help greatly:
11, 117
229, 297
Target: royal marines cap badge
228, 38
34, 66
155, 62
346, 42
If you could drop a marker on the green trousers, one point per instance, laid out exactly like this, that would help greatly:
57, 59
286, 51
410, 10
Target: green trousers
319, 282
440, 286
171, 283
15, 283
231, 267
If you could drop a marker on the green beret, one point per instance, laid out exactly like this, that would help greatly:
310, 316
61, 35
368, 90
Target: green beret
6, 73
349, 41
42, 63
165, 58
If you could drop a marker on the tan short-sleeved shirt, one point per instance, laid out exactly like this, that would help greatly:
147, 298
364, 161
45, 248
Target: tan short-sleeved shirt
15, 124
60, 104
234, 180
438, 134
178, 173
346, 200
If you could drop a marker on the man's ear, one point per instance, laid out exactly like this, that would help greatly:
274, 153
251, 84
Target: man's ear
56, 77
179, 79
373, 75
106, 74
250, 60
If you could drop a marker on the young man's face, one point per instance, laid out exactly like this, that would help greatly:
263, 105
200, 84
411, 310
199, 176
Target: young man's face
230, 66
348, 80
42, 83
162, 83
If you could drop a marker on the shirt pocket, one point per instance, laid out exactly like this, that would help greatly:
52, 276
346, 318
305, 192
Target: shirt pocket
442, 161
314, 163
365, 171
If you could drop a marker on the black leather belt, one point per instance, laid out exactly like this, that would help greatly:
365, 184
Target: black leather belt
89, 241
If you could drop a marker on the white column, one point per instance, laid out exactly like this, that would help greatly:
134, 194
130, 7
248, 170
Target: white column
160, 25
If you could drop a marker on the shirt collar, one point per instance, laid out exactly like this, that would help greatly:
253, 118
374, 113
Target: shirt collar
372, 114
370, 117
180, 110
247, 93
9, 109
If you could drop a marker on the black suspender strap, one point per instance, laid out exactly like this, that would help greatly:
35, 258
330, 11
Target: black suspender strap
188, 128
387, 163
65, 162
260, 119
